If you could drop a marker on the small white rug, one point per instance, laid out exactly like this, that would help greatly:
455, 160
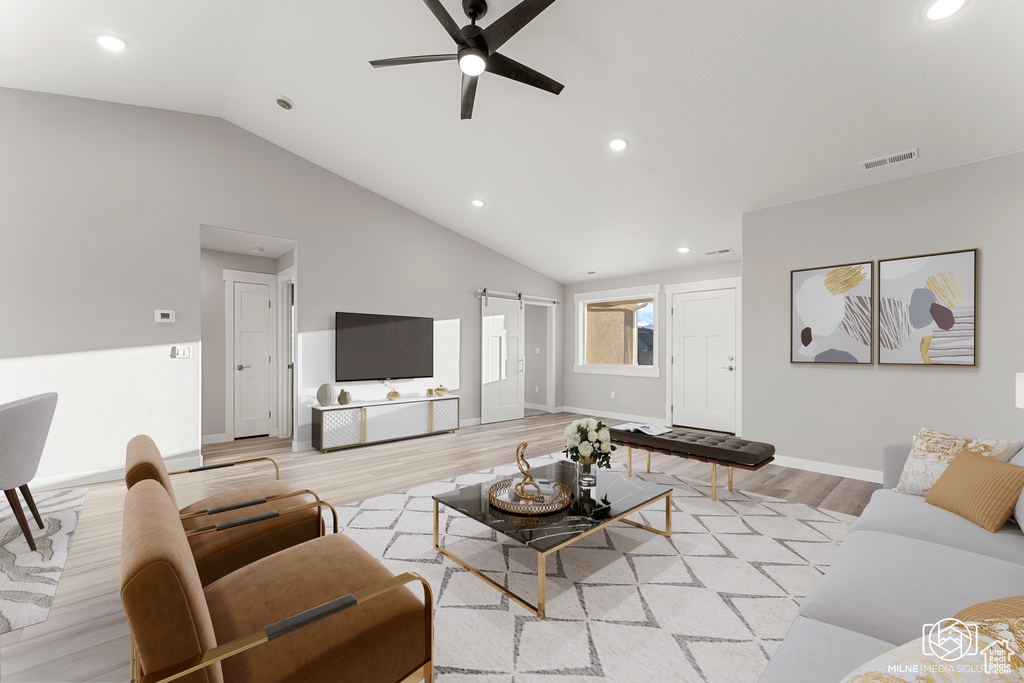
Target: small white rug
709, 604
28, 579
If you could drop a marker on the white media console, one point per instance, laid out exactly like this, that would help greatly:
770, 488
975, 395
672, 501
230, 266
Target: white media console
366, 422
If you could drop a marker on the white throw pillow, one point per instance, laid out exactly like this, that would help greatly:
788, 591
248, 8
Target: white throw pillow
932, 452
990, 655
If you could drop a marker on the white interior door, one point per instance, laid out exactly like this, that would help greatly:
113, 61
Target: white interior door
252, 359
704, 360
503, 366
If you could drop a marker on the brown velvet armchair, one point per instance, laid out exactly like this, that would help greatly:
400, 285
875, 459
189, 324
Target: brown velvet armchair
323, 610
216, 554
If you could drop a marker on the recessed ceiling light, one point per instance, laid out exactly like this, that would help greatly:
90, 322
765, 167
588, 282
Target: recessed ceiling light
112, 43
284, 103
941, 9
478, 203
684, 250
618, 144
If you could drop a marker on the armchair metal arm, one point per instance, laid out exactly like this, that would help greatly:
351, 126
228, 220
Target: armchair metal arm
296, 622
220, 465
248, 503
271, 514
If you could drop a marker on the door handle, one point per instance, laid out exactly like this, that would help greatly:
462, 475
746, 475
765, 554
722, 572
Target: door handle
241, 367
728, 367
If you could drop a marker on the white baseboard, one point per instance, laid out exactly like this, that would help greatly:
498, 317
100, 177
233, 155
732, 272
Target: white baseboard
469, 422
215, 438
175, 462
613, 416
536, 406
299, 446
861, 473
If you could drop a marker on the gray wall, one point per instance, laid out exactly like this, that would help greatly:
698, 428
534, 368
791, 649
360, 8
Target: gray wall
101, 204
842, 415
211, 273
536, 337
636, 396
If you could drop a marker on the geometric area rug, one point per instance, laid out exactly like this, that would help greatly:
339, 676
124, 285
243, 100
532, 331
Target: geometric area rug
711, 603
28, 580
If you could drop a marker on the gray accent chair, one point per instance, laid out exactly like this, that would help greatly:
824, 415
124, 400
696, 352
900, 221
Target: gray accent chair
24, 426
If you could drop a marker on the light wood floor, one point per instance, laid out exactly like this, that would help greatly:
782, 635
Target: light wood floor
85, 637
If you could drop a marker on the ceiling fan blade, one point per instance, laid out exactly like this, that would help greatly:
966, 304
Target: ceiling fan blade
446, 20
510, 23
399, 61
468, 95
500, 65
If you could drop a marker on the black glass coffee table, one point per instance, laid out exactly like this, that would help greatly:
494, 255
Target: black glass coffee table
611, 500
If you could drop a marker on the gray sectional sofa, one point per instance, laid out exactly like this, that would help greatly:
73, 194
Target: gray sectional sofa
904, 564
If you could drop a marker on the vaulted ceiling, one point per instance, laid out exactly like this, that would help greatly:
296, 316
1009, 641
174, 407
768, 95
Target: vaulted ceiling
728, 105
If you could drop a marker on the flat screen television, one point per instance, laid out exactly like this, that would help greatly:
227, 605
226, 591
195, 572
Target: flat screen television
371, 347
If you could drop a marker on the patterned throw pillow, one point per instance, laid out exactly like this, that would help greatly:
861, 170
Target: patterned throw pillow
991, 653
1003, 608
933, 451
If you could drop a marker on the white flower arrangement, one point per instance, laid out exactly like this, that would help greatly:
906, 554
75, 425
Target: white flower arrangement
589, 439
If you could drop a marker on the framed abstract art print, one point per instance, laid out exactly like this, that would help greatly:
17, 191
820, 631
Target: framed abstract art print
832, 313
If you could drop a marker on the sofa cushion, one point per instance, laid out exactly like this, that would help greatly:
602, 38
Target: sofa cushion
1003, 608
888, 586
933, 451
979, 489
815, 652
921, 659
909, 516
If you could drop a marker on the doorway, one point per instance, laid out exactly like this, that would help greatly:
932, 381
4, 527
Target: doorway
502, 368
704, 385
248, 339
539, 353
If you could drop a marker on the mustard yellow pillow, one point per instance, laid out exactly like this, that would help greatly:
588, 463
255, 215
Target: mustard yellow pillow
932, 452
980, 489
1003, 608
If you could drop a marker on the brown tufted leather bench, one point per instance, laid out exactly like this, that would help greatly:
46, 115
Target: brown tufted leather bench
713, 448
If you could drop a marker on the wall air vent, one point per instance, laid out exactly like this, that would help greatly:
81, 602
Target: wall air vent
716, 252
891, 159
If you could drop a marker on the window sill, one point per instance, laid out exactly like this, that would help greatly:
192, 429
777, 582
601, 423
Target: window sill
626, 370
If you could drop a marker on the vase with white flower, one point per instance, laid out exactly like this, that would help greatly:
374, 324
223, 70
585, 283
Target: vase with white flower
588, 442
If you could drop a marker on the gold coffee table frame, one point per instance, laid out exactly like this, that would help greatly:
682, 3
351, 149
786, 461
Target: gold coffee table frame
538, 609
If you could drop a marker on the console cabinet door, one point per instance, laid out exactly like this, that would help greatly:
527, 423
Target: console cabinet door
387, 422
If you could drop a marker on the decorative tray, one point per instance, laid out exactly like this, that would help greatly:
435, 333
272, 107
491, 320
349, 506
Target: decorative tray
500, 496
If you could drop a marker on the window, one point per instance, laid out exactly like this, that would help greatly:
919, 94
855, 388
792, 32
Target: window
616, 332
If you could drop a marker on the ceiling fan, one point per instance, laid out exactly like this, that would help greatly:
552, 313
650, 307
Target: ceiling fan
477, 48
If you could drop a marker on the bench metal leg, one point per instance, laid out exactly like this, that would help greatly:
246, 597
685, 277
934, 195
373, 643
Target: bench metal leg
714, 481
648, 460
629, 464
730, 477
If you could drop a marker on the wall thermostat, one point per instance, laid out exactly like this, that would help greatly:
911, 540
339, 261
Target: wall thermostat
163, 316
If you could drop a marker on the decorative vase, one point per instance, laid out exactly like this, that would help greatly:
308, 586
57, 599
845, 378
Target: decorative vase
344, 398
586, 476
394, 396
325, 394
441, 390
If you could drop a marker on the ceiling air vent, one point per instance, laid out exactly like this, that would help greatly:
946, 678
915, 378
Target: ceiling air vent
716, 252
891, 159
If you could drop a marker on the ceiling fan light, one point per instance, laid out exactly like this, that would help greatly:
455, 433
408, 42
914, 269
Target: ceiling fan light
941, 9
472, 61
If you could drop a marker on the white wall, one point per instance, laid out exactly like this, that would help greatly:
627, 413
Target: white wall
837, 417
635, 397
100, 210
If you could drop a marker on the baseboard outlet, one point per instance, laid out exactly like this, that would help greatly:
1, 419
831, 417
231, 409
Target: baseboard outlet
300, 446
469, 422
215, 438
175, 462
862, 473
613, 416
